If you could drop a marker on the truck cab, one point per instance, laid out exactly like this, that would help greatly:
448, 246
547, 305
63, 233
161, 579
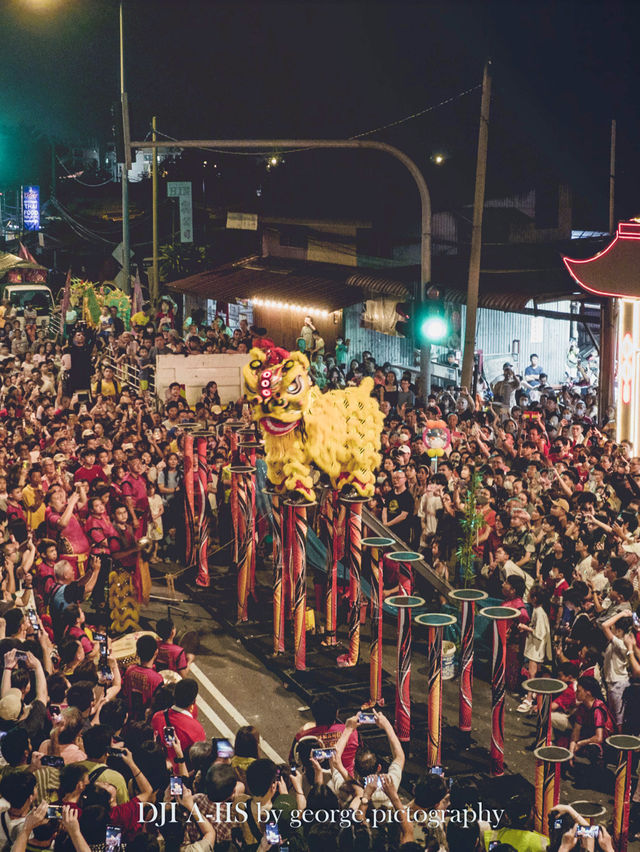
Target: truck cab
37, 296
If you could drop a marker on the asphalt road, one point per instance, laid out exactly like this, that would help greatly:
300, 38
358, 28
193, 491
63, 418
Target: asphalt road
236, 689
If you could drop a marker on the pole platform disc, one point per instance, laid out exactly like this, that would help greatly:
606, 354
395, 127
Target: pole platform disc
242, 468
299, 504
236, 425
405, 601
356, 498
623, 742
379, 541
499, 613
589, 810
468, 595
553, 754
544, 685
404, 556
204, 433
435, 619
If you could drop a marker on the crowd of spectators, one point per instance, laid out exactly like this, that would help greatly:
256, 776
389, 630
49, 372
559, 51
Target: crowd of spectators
89, 467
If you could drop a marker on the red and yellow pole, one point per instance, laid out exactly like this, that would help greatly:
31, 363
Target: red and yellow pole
278, 589
353, 558
625, 745
245, 537
299, 573
331, 601
501, 616
189, 502
403, 603
545, 688
377, 545
435, 622
248, 445
203, 481
550, 758
467, 599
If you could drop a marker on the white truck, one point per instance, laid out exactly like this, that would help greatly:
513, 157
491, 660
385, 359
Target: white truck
37, 296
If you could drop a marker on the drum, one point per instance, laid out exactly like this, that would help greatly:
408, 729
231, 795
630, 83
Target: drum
123, 650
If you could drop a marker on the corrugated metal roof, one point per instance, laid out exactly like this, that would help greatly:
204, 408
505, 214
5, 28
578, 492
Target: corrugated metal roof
326, 286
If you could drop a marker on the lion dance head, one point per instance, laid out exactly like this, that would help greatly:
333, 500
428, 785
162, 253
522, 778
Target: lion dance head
279, 392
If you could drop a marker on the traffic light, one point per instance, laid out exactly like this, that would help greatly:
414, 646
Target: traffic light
431, 324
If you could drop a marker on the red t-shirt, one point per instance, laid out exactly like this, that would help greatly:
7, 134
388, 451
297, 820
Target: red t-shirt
140, 679
592, 718
127, 816
170, 657
89, 474
566, 701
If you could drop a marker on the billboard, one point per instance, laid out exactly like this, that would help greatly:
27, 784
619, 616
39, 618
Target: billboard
31, 208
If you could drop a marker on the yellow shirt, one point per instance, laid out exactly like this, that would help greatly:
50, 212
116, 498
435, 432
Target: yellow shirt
34, 519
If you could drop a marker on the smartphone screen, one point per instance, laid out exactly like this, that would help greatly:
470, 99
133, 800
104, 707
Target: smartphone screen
54, 812
33, 619
50, 760
113, 838
21, 656
271, 833
169, 734
587, 831
374, 779
293, 769
176, 787
322, 753
225, 749
366, 718
436, 770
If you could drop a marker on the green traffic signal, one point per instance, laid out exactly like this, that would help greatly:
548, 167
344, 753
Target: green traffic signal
433, 329
431, 323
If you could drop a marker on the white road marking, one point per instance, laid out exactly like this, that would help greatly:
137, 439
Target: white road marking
269, 752
217, 722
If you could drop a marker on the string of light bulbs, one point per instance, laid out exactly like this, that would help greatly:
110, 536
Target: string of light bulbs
275, 303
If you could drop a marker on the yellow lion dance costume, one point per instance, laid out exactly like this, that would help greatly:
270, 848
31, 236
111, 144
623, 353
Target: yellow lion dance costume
338, 431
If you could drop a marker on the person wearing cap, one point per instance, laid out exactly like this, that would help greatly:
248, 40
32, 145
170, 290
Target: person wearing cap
403, 455
504, 389
519, 535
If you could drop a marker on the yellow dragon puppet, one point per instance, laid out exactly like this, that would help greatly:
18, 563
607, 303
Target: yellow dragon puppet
338, 431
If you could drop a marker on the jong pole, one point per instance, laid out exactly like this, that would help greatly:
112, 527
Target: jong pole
377, 546
403, 603
545, 688
245, 542
467, 599
435, 622
551, 758
353, 558
233, 496
501, 616
625, 745
189, 503
278, 589
203, 481
248, 445
331, 598
299, 573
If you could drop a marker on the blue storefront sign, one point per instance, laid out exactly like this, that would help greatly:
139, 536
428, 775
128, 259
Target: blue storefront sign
31, 208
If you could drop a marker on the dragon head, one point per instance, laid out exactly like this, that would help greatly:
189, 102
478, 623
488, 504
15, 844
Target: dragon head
279, 392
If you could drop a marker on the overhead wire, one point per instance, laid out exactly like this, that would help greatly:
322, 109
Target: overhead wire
355, 136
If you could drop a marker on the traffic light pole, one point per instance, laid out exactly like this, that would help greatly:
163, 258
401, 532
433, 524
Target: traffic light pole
358, 144
476, 233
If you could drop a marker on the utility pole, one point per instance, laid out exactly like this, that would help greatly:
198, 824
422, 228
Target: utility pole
609, 309
476, 233
154, 289
124, 171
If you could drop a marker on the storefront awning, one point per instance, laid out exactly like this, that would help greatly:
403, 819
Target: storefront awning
327, 286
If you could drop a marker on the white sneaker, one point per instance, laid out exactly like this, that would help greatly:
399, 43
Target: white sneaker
525, 707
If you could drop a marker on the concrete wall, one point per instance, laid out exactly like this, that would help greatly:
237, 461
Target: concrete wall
195, 371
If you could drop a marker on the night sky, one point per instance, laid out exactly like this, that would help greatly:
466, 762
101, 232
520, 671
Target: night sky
562, 70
